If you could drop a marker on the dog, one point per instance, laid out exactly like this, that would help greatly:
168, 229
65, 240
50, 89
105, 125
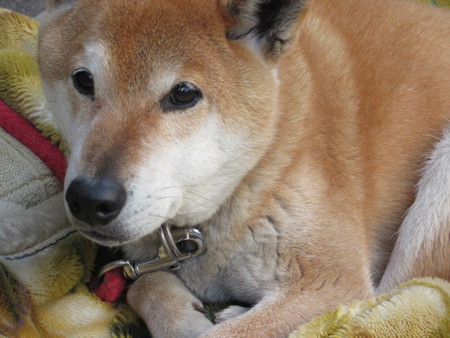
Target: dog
307, 140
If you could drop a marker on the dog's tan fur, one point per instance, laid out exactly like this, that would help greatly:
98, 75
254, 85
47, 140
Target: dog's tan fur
334, 118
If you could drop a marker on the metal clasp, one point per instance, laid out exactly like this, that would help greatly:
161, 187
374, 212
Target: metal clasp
177, 245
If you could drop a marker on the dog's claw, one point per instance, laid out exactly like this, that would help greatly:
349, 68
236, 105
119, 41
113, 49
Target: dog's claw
199, 307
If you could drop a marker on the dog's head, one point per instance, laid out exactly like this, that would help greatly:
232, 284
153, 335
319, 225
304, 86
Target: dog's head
166, 105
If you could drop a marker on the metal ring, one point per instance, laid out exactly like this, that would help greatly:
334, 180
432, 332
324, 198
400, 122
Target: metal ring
168, 242
113, 265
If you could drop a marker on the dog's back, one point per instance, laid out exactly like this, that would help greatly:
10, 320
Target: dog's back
373, 92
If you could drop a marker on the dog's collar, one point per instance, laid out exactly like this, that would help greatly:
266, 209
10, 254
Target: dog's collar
177, 245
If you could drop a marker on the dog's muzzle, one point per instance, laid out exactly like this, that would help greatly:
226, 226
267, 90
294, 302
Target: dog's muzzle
177, 245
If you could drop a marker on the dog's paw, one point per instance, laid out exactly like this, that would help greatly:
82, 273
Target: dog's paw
230, 313
167, 307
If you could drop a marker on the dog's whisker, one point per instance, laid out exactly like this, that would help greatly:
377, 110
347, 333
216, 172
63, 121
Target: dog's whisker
198, 202
187, 198
203, 197
180, 186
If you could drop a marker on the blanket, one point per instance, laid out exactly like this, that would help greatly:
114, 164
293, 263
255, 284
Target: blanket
46, 266
419, 308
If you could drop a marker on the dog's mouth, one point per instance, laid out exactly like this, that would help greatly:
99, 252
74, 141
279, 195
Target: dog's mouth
102, 239
99, 207
113, 235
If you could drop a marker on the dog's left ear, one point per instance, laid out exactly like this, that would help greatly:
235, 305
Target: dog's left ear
267, 24
52, 4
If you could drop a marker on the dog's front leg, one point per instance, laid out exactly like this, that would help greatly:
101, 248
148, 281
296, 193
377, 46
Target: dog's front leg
282, 311
168, 308
277, 315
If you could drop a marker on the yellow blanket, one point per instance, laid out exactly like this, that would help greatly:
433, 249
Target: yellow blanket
420, 308
45, 264
443, 3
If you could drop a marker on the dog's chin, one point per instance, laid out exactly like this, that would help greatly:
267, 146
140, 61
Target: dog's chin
110, 238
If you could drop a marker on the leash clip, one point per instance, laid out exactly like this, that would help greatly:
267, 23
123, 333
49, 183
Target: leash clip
177, 245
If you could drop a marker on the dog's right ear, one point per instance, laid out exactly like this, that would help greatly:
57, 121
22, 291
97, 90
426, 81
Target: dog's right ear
267, 24
52, 4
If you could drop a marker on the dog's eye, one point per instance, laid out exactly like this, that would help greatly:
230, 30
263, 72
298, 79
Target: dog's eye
83, 81
182, 96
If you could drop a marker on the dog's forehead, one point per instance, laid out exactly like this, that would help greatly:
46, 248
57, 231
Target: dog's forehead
129, 40
159, 28
146, 36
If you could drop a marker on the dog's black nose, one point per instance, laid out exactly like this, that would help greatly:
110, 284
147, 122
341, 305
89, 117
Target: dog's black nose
96, 201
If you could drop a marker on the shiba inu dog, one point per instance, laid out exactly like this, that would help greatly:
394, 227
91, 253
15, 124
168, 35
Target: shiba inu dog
291, 133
